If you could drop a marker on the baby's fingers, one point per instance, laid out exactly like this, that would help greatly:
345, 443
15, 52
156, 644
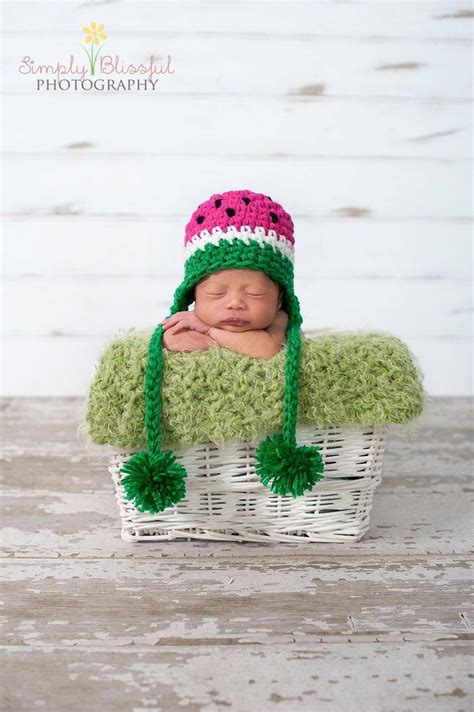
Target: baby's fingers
174, 329
174, 318
169, 322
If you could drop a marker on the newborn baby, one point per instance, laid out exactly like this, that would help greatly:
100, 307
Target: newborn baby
236, 308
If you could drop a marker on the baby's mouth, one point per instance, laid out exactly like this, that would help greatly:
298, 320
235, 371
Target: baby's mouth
235, 322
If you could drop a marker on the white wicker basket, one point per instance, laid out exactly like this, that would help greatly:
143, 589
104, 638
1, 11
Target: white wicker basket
225, 500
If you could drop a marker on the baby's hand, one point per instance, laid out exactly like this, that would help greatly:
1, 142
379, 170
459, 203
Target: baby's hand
184, 320
187, 341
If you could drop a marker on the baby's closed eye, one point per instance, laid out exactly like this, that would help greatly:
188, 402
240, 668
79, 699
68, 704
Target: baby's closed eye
221, 294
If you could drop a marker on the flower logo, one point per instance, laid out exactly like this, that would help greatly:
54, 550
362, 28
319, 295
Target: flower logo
94, 34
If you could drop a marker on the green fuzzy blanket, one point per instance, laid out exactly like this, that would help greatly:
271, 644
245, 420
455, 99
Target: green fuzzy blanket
363, 378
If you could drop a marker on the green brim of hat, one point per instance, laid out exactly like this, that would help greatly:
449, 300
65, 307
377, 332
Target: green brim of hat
238, 254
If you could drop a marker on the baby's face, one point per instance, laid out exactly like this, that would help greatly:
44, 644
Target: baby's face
245, 294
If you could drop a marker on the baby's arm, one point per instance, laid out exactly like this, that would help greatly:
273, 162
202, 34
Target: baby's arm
261, 343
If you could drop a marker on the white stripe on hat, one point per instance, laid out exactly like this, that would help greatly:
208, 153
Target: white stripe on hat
246, 233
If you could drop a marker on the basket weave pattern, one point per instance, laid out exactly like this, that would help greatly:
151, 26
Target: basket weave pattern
225, 500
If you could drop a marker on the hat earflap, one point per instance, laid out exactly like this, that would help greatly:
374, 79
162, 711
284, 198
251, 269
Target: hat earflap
281, 464
155, 480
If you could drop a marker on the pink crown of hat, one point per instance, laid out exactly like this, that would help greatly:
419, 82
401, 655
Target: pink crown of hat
240, 215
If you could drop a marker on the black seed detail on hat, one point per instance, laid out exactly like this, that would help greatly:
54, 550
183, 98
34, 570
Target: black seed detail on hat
200, 219
274, 217
268, 197
230, 212
246, 200
218, 203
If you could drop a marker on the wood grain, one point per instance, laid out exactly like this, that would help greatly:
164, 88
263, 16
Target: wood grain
89, 620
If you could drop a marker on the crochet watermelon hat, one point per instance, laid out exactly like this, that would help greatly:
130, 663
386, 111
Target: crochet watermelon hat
235, 229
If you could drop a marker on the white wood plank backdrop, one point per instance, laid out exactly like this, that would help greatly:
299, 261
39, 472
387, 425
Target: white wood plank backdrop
356, 116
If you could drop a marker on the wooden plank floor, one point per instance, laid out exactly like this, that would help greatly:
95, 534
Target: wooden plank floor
92, 622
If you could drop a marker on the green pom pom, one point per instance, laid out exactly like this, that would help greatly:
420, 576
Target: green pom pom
290, 469
155, 482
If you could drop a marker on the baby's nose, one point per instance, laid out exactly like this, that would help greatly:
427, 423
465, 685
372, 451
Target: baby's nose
236, 300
